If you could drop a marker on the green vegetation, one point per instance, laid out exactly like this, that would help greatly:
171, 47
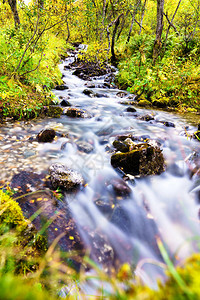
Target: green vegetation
156, 50
29, 271
157, 54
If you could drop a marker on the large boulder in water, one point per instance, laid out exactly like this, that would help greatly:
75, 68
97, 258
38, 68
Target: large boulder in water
144, 159
63, 177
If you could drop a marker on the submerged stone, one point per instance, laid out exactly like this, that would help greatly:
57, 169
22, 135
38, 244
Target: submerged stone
64, 178
146, 118
144, 159
85, 147
120, 187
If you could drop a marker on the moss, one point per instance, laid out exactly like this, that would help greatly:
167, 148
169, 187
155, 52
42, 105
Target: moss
13, 287
161, 103
143, 160
144, 102
54, 111
11, 214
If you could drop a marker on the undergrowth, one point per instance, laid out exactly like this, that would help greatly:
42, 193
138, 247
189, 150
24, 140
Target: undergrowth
172, 81
28, 274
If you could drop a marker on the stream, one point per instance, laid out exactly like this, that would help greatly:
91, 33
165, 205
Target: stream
162, 206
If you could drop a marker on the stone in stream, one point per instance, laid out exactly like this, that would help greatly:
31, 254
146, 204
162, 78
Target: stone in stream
144, 159
167, 123
52, 211
64, 178
131, 109
65, 103
121, 146
61, 87
90, 85
146, 118
122, 94
77, 113
84, 146
89, 93
120, 187
135, 224
46, 136
53, 111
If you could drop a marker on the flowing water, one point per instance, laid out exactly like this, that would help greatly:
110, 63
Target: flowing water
158, 206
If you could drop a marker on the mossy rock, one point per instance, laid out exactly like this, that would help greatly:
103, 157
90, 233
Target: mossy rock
121, 146
144, 103
54, 111
161, 103
143, 160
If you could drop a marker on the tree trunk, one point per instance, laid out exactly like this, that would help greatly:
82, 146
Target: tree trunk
159, 28
116, 22
170, 25
142, 16
13, 6
66, 21
133, 20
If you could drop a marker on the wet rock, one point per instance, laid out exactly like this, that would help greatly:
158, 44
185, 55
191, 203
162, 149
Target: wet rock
121, 146
175, 170
104, 207
99, 95
120, 187
64, 178
103, 141
146, 118
51, 209
144, 103
105, 131
67, 67
106, 85
65, 103
127, 102
121, 94
90, 85
88, 93
131, 109
86, 69
137, 225
26, 182
77, 113
54, 111
61, 87
102, 252
167, 123
143, 160
161, 103
85, 147
46, 136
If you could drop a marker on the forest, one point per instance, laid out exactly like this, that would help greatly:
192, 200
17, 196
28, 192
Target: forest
153, 49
